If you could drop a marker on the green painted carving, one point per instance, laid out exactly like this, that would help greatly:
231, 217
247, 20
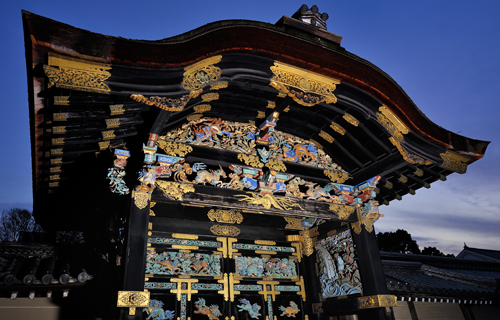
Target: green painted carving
183, 263
257, 267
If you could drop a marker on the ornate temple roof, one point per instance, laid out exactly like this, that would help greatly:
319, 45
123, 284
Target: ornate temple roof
90, 93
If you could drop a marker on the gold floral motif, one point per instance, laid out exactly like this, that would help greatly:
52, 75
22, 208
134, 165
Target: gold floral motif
293, 223
377, 301
271, 105
55, 169
60, 116
261, 114
141, 199
218, 85
276, 164
225, 216
454, 162
269, 200
201, 73
174, 190
61, 100
53, 184
202, 108
103, 145
308, 240
164, 103
59, 130
108, 135
211, 96
337, 176
304, 87
139, 299
368, 223
226, 231
394, 119
56, 152
112, 123
194, 117
56, 161
342, 210
116, 109
411, 158
349, 118
173, 148
337, 128
250, 160
326, 136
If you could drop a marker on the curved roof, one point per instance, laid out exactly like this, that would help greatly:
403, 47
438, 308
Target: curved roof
365, 121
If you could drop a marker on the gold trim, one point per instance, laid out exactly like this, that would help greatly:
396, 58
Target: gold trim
194, 117
103, 145
264, 253
61, 100
164, 103
350, 119
178, 246
265, 242
232, 282
377, 301
394, 119
271, 105
302, 291
265, 284
116, 109
293, 223
174, 190
112, 123
141, 199
60, 116
308, 240
337, 175
269, 200
184, 236
202, 108
454, 162
326, 136
411, 158
342, 210
58, 141
136, 299
108, 135
174, 149
218, 85
337, 128
59, 130
179, 291
222, 230
211, 96
56, 161
223, 249
261, 114
276, 164
77, 79
298, 249
55, 169
225, 286
419, 172
56, 152
200, 74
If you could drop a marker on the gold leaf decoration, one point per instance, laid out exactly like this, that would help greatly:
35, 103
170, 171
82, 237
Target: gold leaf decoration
164, 103
174, 190
269, 200
194, 117
61, 100
293, 223
112, 123
116, 109
454, 162
81, 80
337, 128
218, 85
337, 176
59, 130
342, 210
250, 160
60, 116
133, 299
211, 96
350, 119
202, 108
200, 74
390, 127
326, 136
411, 158
173, 148
108, 135
226, 231
225, 216
276, 164
261, 114
141, 199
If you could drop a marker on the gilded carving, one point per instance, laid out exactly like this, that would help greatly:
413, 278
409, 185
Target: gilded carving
250, 160
164, 103
202, 108
271, 105
218, 85
194, 117
174, 149
342, 210
261, 114
337, 128
61, 100
141, 199
60, 116
326, 136
76, 74
293, 223
350, 119
136, 299
454, 162
269, 200
59, 130
394, 119
304, 87
56, 161
112, 123
57, 141
55, 169
338, 176
377, 301
275, 164
108, 135
211, 96
56, 152
308, 240
225, 216
411, 158
116, 109
201, 73
103, 145
226, 231
174, 190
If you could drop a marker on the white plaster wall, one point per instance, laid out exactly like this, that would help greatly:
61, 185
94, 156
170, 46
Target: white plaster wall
28, 309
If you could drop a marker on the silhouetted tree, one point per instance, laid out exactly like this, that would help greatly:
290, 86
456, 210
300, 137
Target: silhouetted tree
14, 222
399, 241
433, 251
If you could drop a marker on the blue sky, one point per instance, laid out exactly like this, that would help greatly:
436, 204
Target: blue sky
444, 54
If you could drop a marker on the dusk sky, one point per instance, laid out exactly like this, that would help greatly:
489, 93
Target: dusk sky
444, 54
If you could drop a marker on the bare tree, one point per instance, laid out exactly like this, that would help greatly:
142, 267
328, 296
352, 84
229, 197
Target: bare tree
14, 222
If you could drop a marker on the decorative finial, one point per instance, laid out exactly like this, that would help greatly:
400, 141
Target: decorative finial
311, 16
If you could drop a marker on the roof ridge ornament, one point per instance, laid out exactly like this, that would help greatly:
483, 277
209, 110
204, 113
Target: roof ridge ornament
311, 16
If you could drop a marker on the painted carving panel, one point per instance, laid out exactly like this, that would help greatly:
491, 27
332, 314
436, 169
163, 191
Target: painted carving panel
338, 272
268, 267
170, 263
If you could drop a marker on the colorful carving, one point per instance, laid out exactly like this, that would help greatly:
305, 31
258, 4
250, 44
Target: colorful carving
257, 267
338, 272
117, 173
212, 312
290, 311
226, 231
201, 73
156, 312
321, 194
225, 216
183, 263
212, 177
252, 309
147, 179
174, 149
174, 190
269, 200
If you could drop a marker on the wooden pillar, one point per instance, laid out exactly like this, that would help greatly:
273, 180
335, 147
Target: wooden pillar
135, 255
371, 271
